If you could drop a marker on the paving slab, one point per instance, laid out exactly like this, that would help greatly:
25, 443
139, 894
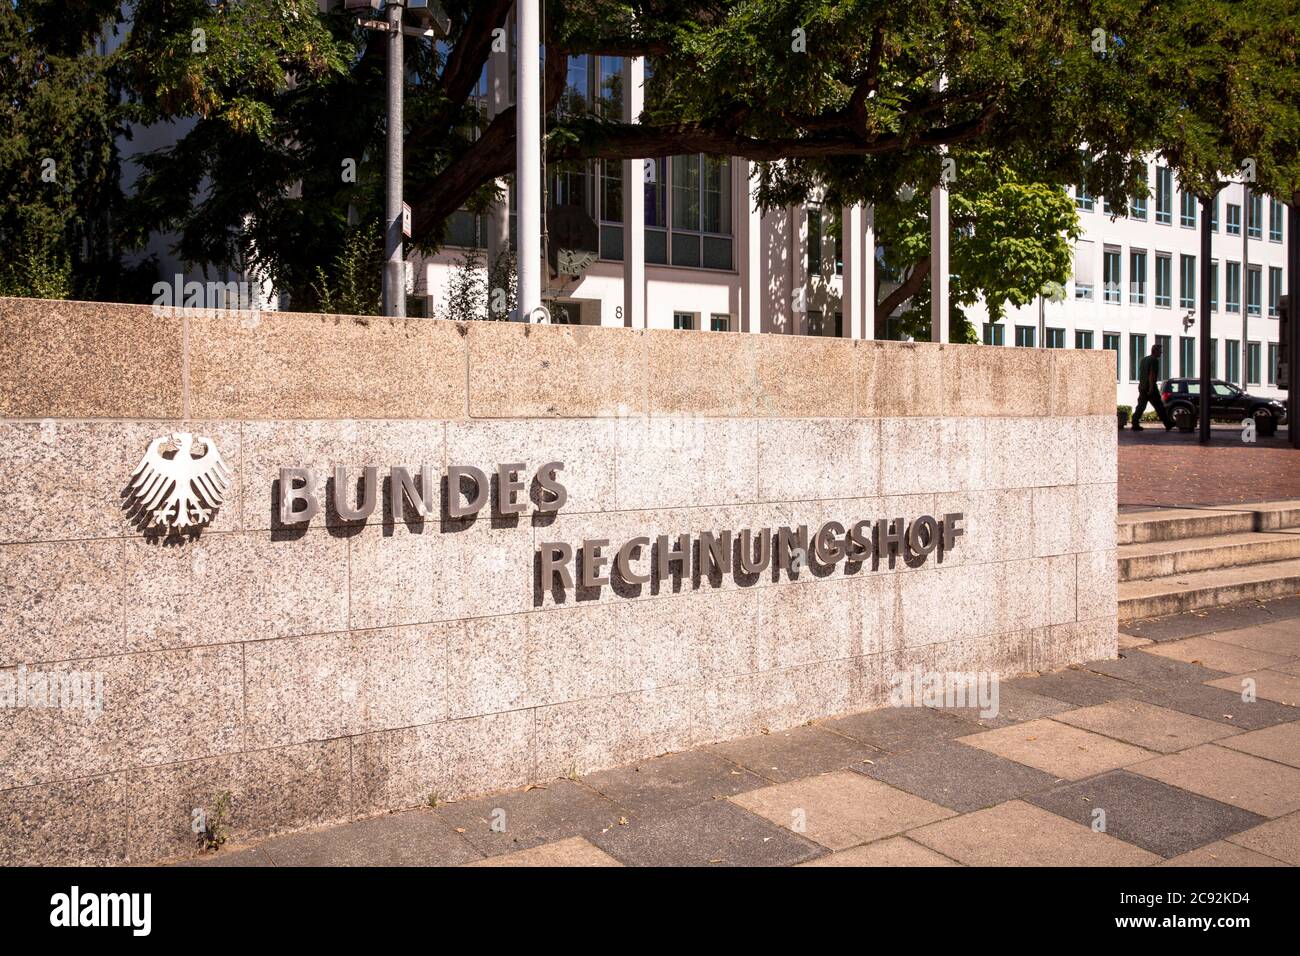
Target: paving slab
894, 851
1222, 853
1146, 725
896, 729
1217, 655
1279, 743
717, 833
1268, 684
952, 775
1147, 670
1065, 752
673, 782
1014, 706
1282, 638
254, 856
1080, 686
410, 838
1279, 839
792, 754
1125, 641
1214, 703
1252, 783
506, 822
840, 810
1211, 620
575, 851
1019, 834
1146, 812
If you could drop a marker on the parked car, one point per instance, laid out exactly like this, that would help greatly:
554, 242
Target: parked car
1182, 396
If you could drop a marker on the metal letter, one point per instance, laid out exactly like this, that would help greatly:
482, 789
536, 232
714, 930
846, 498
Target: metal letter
746, 551
401, 485
552, 485
555, 558
369, 494
927, 524
454, 507
624, 561
291, 494
507, 487
715, 552
829, 552
952, 529
679, 555
593, 561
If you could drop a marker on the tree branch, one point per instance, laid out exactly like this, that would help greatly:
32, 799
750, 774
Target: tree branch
910, 287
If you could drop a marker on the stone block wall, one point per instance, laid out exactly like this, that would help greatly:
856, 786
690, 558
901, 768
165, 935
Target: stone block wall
341, 670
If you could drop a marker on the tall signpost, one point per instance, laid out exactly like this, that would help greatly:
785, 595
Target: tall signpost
1207, 203
1292, 337
394, 262
528, 158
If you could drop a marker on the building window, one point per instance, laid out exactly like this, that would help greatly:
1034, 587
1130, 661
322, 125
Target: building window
1110, 277
1274, 290
718, 322
1232, 288
688, 212
1138, 208
1083, 274
1137, 348
1255, 217
993, 333
1275, 216
1234, 219
1082, 199
1187, 209
1054, 338
1110, 340
1232, 360
1252, 363
1164, 195
1187, 356
1166, 356
1187, 282
1025, 336
1274, 356
1214, 214
814, 240
1082, 339
683, 320
1137, 277
1214, 358
1164, 280
1254, 290
1214, 285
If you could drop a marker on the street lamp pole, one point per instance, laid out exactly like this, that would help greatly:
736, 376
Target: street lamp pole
394, 262
528, 158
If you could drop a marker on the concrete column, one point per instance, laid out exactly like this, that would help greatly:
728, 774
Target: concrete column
528, 155
851, 300
869, 274
798, 247
751, 261
498, 217
634, 284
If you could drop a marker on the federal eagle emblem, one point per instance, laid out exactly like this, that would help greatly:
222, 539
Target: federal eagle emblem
177, 488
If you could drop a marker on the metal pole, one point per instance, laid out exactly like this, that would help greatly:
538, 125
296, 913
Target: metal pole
1293, 330
1245, 282
394, 268
528, 156
1206, 251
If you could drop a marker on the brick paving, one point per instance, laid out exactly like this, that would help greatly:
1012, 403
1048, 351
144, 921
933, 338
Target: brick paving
1160, 741
1160, 468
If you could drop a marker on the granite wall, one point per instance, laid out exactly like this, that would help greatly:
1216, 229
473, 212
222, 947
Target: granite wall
343, 670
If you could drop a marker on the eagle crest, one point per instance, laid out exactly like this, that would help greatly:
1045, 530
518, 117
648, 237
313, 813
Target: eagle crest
176, 488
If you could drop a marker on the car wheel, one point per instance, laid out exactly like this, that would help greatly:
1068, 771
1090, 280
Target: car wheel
1184, 418
1265, 422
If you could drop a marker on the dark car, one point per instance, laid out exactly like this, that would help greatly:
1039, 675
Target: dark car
1182, 396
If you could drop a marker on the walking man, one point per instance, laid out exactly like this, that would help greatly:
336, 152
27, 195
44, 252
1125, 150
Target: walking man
1149, 390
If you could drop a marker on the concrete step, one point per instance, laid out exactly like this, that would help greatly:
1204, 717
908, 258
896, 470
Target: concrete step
1174, 524
1175, 593
1184, 555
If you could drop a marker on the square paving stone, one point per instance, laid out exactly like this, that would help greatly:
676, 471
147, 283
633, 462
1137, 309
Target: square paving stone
1145, 725
1279, 839
575, 851
410, 838
791, 754
1125, 641
1213, 703
895, 851
1270, 685
1280, 743
1217, 655
840, 810
1212, 620
1018, 834
250, 857
1148, 670
1061, 750
1260, 786
952, 775
717, 833
1292, 668
1276, 638
673, 782
1222, 853
1080, 687
1014, 706
895, 729
527, 818
1147, 813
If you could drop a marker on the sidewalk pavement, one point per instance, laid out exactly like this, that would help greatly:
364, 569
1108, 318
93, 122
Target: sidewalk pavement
1151, 759
1157, 467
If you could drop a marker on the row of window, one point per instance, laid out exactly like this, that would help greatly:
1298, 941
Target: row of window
1188, 207
1188, 281
1188, 349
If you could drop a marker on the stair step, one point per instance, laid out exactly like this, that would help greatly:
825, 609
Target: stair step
1173, 524
1200, 589
1185, 555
